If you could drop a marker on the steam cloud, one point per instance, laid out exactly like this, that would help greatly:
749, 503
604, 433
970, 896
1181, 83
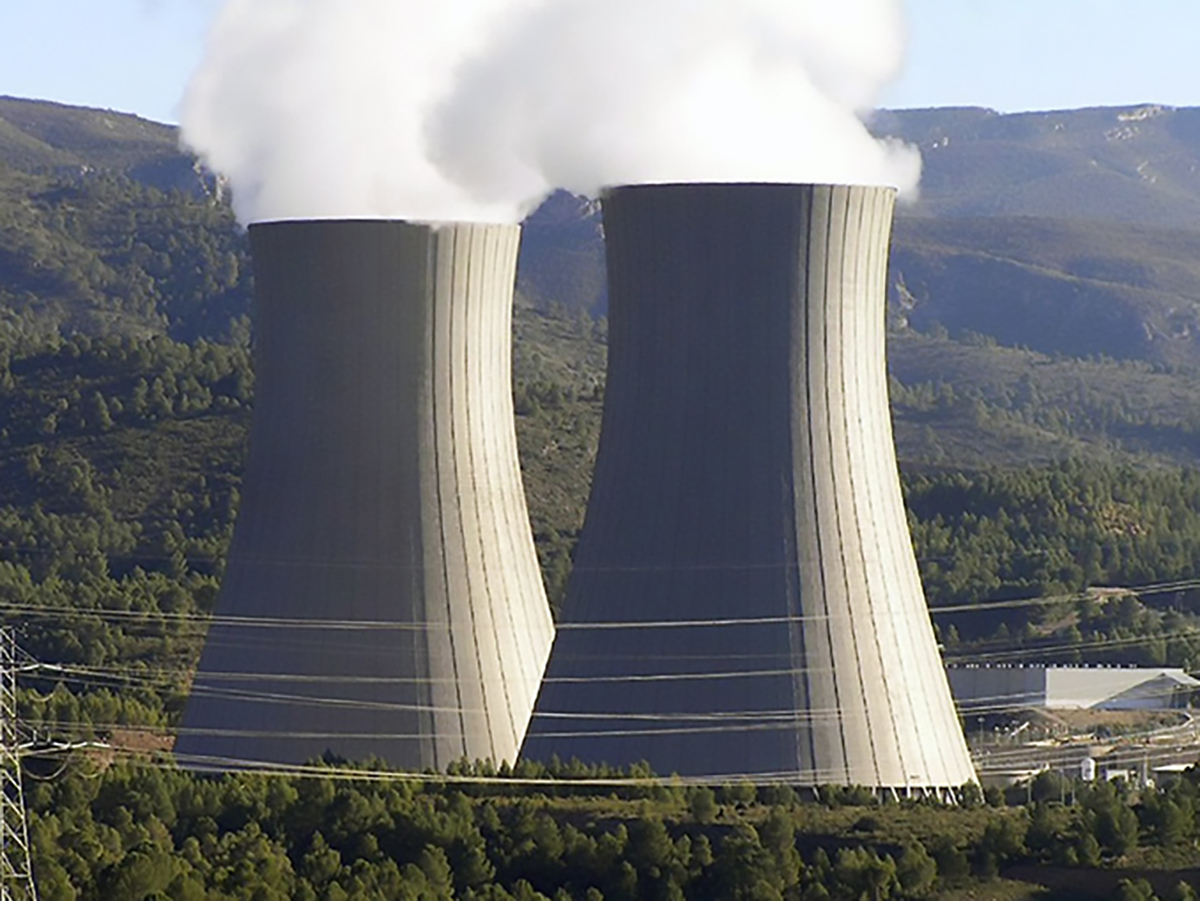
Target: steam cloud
475, 109
317, 108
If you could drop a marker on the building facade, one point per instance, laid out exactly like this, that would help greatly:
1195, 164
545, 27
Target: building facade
982, 690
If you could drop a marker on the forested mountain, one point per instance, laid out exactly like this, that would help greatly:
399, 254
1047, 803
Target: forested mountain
1129, 164
38, 136
1046, 395
1069, 286
106, 228
1073, 232
1015, 341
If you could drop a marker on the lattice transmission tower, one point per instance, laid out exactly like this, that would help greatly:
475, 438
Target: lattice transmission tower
16, 873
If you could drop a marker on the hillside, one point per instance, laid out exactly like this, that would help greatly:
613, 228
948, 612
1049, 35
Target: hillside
1047, 417
1074, 233
1129, 164
1068, 286
106, 228
41, 137
1079, 287
1016, 341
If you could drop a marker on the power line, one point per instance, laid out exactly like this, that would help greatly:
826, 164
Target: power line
325, 623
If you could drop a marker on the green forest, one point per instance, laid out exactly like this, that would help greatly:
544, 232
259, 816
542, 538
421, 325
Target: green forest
122, 456
1053, 499
142, 830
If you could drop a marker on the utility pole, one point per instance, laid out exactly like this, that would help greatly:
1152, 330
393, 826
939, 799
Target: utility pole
16, 873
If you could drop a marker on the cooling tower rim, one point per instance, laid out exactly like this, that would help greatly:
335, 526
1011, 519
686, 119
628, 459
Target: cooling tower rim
429, 224
697, 186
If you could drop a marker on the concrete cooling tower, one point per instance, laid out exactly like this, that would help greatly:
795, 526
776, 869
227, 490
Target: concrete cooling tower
382, 596
745, 600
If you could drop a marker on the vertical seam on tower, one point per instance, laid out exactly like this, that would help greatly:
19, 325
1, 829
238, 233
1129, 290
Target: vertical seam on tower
895, 527
521, 642
533, 648
913, 604
458, 336
484, 334
880, 232
519, 589
473, 329
868, 228
795, 603
840, 376
900, 537
369, 370
817, 522
433, 255
427, 737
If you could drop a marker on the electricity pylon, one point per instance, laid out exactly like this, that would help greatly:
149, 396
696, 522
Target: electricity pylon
16, 873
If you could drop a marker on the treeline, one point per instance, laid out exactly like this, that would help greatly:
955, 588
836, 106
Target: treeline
121, 460
1088, 412
1097, 629
558, 431
99, 252
1001, 534
120, 651
136, 830
993, 537
87, 385
118, 453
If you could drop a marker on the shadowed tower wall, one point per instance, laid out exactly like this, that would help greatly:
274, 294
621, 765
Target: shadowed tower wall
382, 595
745, 599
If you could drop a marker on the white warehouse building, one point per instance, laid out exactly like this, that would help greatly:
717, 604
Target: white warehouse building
996, 689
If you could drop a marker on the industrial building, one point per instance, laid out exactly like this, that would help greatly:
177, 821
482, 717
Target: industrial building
745, 601
1000, 689
382, 596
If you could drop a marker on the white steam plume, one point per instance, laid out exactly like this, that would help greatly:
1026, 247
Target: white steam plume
475, 109
316, 108
584, 93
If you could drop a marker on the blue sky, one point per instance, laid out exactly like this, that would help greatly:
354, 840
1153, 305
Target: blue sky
135, 55
1016, 55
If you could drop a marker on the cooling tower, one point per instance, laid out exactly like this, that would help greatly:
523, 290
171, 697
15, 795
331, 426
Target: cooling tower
745, 600
382, 596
